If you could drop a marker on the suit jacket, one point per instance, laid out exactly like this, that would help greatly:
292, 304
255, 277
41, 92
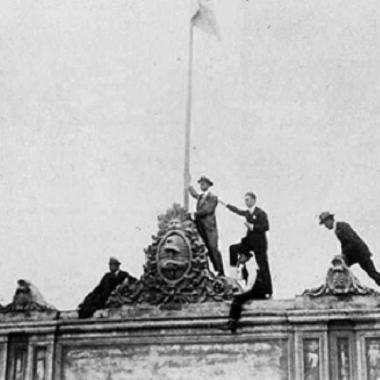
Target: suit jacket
205, 212
353, 247
97, 299
109, 282
255, 239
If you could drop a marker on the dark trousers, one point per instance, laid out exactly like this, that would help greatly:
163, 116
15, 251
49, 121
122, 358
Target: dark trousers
261, 260
368, 266
258, 291
210, 237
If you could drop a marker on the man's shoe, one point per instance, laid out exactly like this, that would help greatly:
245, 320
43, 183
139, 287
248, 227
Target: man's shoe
231, 325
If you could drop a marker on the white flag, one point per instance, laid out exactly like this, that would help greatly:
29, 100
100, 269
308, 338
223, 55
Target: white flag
205, 19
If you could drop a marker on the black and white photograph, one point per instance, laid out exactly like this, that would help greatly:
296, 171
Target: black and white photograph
189, 190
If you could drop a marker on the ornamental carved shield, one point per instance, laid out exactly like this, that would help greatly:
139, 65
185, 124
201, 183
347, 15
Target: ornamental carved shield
176, 269
174, 256
339, 279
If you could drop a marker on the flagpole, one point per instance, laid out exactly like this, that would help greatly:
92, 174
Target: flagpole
187, 177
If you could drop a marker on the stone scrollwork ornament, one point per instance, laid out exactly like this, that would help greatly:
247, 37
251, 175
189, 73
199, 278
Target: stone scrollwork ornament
340, 281
176, 269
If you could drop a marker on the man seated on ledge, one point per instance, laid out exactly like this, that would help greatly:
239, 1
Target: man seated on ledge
253, 287
354, 249
97, 299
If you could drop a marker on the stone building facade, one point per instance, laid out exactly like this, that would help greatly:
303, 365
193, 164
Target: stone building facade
299, 339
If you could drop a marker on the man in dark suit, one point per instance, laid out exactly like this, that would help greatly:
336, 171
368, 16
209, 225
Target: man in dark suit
98, 297
256, 221
205, 221
354, 249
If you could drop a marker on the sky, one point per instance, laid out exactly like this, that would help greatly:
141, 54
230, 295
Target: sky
92, 115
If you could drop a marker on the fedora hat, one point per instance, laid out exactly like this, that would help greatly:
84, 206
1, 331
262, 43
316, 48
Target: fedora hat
205, 179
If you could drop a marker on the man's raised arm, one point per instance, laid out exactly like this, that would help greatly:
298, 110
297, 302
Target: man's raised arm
193, 192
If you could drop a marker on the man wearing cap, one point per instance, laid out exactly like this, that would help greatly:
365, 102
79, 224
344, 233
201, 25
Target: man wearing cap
257, 224
205, 221
98, 297
252, 286
354, 249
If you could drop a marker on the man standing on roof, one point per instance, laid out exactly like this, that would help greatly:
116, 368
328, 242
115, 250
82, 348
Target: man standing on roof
354, 249
205, 221
255, 240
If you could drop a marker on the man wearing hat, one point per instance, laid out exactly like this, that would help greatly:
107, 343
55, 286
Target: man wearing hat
252, 285
354, 249
98, 297
205, 221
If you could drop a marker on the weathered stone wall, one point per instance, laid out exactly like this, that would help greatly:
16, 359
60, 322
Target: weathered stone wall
278, 340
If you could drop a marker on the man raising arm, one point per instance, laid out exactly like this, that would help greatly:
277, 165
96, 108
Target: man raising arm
205, 221
256, 221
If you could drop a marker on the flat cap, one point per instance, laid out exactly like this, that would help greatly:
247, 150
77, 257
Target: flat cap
324, 216
114, 260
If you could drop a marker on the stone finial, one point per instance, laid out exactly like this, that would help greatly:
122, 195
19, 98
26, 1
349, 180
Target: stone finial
27, 298
340, 281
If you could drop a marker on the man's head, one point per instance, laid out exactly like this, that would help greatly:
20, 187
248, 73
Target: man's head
327, 219
244, 257
205, 183
114, 264
250, 199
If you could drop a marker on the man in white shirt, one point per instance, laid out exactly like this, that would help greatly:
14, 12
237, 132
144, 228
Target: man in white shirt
253, 287
240, 274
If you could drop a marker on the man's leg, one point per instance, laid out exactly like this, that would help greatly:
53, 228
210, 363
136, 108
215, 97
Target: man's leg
235, 251
369, 267
213, 251
259, 289
236, 309
262, 262
204, 235
234, 254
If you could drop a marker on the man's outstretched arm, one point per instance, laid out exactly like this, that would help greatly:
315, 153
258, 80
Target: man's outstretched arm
236, 210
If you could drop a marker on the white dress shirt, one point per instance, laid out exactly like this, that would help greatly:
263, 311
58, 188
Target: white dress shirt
252, 269
204, 194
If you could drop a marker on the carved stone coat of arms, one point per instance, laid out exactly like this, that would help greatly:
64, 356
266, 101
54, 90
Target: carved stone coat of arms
176, 268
